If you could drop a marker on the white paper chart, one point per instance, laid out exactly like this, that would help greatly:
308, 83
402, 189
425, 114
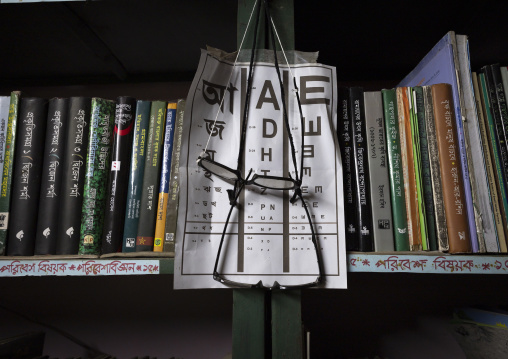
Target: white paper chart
268, 237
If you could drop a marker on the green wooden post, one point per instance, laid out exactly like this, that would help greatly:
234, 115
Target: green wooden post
283, 16
251, 328
287, 326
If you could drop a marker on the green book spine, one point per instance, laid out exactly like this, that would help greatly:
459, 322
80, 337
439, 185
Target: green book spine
426, 176
151, 177
96, 175
137, 169
174, 182
415, 136
398, 198
10, 142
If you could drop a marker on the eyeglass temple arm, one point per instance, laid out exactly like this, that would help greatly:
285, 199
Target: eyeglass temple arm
247, 95
232, 202
283, 95
314, 239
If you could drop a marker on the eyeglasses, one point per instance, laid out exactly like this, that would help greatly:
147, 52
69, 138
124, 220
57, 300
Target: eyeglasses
264, 181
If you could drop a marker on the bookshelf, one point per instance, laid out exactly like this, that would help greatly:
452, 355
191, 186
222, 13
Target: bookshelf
97, 61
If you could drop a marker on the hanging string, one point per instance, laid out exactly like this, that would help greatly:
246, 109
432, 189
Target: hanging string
230, 76
302, 124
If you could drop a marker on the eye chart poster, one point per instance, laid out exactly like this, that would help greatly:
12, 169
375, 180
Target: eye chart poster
268, 238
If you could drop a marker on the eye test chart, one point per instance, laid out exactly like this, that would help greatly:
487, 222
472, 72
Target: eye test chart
268, 238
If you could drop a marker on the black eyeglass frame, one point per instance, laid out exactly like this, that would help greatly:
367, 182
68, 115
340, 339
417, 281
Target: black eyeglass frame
240, 182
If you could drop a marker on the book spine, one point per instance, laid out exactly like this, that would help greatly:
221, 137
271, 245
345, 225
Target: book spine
484, 226
398, 200
426, 176
493, 194
174, 182
10, 142
27, 170
408, 169
417, 164
114, 218
435, 172
162, 202
344, 133
73, 175
495, 150
96, 175
4, 118
364, 216
151, 176
378, 171
499, 93
504, 76
136, 171
51, 182
453, 190
500, 138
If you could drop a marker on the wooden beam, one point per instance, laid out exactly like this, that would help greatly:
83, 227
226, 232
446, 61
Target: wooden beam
287, 326
250, 335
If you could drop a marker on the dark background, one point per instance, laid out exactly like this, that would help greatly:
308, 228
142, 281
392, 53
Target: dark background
374, 43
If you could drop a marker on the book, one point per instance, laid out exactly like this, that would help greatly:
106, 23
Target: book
426, 176
496, 146
439, 66
51, 181
435, 172
504, 76
361, 169
449, 160
494, 199
408, 169
497, 110
417, 164
344, 133
136, 171
378, 172
162, 203
73, 175
114, 217
4, 118
10, 147
398, 196
485, 226
151, 177
96, 175
26, 176
174, 182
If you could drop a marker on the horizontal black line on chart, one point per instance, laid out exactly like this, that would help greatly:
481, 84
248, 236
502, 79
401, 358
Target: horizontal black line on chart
280, 223
265, 233
264, 275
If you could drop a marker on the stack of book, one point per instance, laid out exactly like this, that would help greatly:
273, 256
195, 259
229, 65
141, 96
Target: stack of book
425, 166
426, 163
88, 176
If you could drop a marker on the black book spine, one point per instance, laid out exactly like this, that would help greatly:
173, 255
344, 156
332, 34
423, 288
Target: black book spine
346, 149
116, 198
73, 175
361, 170
51, 180
26, 177
500, 128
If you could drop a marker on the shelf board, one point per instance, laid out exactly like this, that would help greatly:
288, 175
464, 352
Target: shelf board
153, 264
88, 266
427, 262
